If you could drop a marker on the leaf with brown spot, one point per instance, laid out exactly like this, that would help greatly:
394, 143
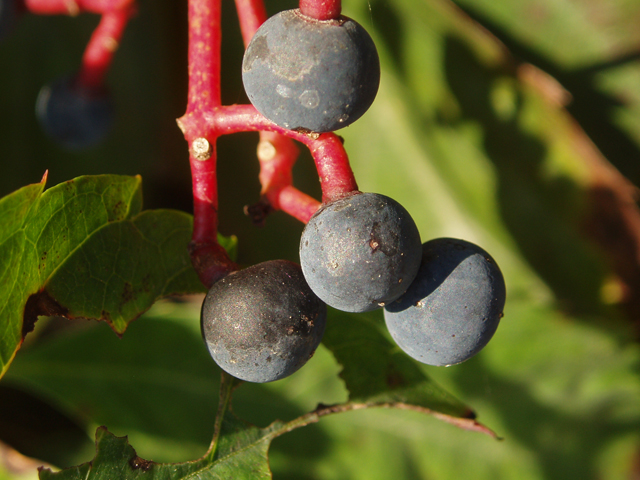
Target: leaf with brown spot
84, 249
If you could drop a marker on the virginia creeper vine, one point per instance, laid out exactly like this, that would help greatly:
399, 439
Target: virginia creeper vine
206, 119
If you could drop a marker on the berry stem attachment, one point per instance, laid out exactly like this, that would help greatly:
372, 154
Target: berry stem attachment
321, 9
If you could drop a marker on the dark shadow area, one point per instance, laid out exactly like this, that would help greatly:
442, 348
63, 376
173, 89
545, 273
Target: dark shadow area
37, 429
389, 26
591, 107
539, 211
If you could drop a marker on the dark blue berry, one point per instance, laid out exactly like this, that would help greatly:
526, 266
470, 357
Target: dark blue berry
452, 308
263, 323
74, 115
360, 252
303, 73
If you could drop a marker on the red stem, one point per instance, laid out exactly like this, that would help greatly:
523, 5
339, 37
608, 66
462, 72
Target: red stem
205, 35
206, 119
321, 9
251, 14
105, 40
336, 177
276, 153
74, 7
205, 198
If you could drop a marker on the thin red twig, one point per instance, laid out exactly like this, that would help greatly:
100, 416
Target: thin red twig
206, 119
336, 177
277, 153
251, 14
104, 42
74, 7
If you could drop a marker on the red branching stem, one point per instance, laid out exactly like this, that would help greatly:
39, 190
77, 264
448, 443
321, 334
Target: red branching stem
336, 177
251, 14
205, 35
74, 7
321, 9
104, 42
206, 119
277, 154
205, 197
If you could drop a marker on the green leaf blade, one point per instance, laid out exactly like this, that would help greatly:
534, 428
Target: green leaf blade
377, 373
83, 249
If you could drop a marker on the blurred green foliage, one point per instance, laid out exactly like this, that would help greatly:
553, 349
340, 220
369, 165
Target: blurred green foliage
472, 140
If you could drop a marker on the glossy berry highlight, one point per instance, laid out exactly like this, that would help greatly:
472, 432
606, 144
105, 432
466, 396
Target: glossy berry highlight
303, 73
74, 115
262, 323
453, 307
360, 252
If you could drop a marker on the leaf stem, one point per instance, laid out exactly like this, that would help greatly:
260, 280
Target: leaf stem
324, 410
227, 385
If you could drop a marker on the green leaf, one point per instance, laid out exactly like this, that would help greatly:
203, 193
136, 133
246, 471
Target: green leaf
84, 249
244, 456
377, 373
157, 384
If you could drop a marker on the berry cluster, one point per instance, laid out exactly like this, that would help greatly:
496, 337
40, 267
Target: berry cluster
307, 72
359, 251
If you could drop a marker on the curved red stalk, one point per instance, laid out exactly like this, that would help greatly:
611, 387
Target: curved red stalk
336, 177
321, 9
71, 7
103, 44
205, 120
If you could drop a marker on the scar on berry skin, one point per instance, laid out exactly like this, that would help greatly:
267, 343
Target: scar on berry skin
309, 99
260, 50
201, 149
